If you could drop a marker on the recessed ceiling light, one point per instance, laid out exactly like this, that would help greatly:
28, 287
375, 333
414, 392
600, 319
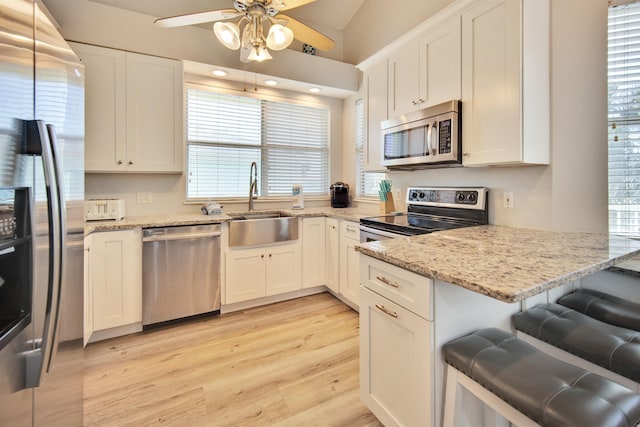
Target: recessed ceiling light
314, 90
271, 82
219, 73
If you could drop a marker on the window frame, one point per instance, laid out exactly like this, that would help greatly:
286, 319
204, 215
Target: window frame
263, 146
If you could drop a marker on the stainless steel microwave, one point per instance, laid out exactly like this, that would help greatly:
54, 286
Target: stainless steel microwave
430, 136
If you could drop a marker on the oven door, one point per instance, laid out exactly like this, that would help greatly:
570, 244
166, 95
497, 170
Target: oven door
368, 234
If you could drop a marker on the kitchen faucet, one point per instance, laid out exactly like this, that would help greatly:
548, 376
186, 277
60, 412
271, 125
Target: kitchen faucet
253, 184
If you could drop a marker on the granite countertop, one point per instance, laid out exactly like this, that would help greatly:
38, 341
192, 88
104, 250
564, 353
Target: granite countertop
349, 214
506, 263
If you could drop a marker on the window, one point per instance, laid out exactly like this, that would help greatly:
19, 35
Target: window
624, 119
289, 141
367, 185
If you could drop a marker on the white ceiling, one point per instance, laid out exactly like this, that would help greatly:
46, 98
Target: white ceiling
334, 14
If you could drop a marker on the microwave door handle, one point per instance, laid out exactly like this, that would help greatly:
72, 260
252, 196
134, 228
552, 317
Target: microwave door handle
427, 140
433, 137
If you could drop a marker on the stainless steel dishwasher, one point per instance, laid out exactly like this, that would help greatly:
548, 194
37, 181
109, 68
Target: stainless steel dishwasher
180, 272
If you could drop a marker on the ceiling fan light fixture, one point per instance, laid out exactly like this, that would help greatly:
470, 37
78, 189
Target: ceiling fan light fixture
228, 33
259, 53
279, 37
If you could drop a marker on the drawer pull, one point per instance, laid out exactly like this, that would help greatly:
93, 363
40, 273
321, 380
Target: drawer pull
386, 311
387, 281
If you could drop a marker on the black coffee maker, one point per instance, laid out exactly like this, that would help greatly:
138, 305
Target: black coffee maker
339, 195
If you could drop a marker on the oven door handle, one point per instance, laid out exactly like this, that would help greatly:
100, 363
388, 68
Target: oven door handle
380, 232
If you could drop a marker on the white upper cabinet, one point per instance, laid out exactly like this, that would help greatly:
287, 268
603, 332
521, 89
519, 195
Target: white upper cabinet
134, 111
404, 80
440, 59
376, 112
505, 83
426, 71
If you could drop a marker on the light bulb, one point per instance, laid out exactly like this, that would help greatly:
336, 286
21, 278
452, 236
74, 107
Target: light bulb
279, 37
259, 54
228, 33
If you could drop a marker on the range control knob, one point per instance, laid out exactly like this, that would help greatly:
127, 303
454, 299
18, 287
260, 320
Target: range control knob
413, 195
472, 197
460, 197
421, 195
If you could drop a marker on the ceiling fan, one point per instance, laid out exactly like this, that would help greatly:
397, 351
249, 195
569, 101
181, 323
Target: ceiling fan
247, 34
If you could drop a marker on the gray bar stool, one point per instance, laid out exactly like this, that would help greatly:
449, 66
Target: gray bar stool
530, 388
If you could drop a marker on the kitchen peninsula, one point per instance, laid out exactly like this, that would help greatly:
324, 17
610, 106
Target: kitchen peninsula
418, 293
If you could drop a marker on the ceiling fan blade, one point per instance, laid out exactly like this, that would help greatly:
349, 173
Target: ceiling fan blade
288, 4
307, 34
197, 18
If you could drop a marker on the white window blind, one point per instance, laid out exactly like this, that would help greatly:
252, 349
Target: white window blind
225, 133
367, 181
624, 119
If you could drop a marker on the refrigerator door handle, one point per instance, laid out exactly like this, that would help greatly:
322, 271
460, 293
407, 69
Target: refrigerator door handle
38, 360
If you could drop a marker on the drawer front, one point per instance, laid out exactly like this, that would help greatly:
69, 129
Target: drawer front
409, 290
350, 230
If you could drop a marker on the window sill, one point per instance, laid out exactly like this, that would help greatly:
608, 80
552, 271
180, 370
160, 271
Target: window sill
245, 199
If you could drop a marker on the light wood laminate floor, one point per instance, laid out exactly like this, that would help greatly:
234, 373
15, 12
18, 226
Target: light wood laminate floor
293, 363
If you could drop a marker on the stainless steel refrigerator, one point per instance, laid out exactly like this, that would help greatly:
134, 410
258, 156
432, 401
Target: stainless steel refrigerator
41, 221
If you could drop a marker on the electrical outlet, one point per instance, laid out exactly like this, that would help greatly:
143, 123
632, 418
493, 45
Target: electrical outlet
508, 199
143, 197
396, 194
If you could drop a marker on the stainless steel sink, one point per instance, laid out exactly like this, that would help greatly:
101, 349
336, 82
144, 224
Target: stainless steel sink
258, 228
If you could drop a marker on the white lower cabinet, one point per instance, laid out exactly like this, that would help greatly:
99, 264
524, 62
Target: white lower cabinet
259, 272
396, 362
349, 286
113, 280
313, 252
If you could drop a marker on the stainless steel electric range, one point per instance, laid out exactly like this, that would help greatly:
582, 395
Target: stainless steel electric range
430, 209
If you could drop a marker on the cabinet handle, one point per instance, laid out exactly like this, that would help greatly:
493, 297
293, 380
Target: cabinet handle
119, 162
465, 154
262, 256
270, 255
383, 309
387, 281
414, 102
420, 101
130, 162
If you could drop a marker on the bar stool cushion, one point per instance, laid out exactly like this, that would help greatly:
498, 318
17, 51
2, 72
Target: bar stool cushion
545, 389
604, 307
614, 348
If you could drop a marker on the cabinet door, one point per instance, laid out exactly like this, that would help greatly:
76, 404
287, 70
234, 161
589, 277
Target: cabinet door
116, 278
282, 269
88, 293
313, 252
440, 79
396, 378
491, 120
404, 80
349, 261
105, 108
376, 81
333, 254
155, 138
245, 278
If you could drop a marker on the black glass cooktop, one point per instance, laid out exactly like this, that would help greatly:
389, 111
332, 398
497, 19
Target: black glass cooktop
413, 224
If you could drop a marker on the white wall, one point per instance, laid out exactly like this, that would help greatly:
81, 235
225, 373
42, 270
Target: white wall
379, 22
571, 193
89, 22
169, 191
